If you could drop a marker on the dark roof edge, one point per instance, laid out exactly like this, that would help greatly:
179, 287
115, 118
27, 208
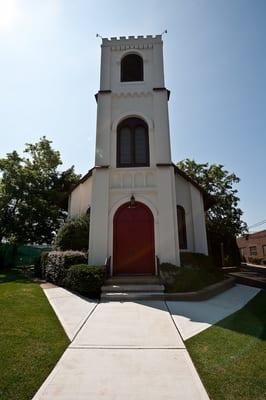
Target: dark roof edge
209, 200
83, 179
88, 175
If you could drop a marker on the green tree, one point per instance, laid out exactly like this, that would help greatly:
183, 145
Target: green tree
223, 219
73, 234
33, 193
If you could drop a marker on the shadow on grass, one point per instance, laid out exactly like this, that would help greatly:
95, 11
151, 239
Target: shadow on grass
250, 320
13, 275
241, 309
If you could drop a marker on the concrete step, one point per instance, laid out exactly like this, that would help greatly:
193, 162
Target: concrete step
131, 296
250, 279
128, 288
260, 269
133, 280
227, 270
124, 288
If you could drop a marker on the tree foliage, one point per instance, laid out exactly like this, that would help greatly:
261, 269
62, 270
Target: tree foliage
32, 190
223, 220
74, 234
224, 215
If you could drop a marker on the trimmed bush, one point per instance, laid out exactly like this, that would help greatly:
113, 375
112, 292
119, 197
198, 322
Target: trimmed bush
74, 234
56, 263
257, 260
85, 279
38, 267
197, 260
187, 278
169, 273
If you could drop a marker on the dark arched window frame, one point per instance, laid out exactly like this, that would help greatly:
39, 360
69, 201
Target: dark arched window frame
131, 68
130, 126
182, 230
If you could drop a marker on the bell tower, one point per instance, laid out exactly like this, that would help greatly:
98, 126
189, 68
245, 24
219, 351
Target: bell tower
133, 167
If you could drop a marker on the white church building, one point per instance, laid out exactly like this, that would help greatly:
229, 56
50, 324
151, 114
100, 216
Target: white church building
143, 209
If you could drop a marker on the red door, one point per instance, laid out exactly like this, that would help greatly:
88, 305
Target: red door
134, 240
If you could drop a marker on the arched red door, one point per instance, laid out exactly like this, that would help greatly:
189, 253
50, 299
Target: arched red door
133, 240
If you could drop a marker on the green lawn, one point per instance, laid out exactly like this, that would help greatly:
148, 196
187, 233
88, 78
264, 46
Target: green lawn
231, 355
31, 337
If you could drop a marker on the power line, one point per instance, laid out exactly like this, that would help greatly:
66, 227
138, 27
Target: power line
257, 224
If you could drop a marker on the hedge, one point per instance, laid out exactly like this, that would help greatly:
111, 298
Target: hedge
56, 263
257, 260
85, 279
197, 260
187, 278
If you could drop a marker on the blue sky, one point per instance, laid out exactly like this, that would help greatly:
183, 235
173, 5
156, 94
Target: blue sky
215, 67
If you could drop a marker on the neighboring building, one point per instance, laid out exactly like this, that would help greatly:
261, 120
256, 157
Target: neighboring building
140, 204
253, 245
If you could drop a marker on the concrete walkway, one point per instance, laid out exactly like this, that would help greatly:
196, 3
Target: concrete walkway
123, 351
71, 310
132, 350
193, 317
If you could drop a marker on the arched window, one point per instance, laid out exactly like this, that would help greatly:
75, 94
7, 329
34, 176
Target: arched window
131, 68
182, 231
132, 143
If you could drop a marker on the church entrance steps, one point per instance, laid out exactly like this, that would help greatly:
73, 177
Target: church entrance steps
131, 296
133, 280
132, 288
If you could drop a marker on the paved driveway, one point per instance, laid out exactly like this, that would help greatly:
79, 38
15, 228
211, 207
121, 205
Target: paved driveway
124, 351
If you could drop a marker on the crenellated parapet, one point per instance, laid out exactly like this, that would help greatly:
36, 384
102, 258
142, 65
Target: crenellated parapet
132, 42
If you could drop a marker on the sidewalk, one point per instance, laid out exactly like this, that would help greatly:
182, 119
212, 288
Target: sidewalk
193, 317
132, 350
120, 351
71, 310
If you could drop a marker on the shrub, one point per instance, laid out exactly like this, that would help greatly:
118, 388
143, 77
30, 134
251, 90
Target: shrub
256, 260
198, 260
74, 234
56, 263
187, 278
38, 267
85, 279
39, 264
168, 273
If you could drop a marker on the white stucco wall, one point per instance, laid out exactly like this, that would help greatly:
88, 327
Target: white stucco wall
191, 199
80, 199
153, 185
98, 246
118, 100
183, 199
199, 225
157, 186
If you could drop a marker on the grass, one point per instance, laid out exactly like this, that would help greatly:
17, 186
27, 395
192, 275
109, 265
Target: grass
231, 355
31, 337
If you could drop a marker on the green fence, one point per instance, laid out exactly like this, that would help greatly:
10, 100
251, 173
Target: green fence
13, 255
